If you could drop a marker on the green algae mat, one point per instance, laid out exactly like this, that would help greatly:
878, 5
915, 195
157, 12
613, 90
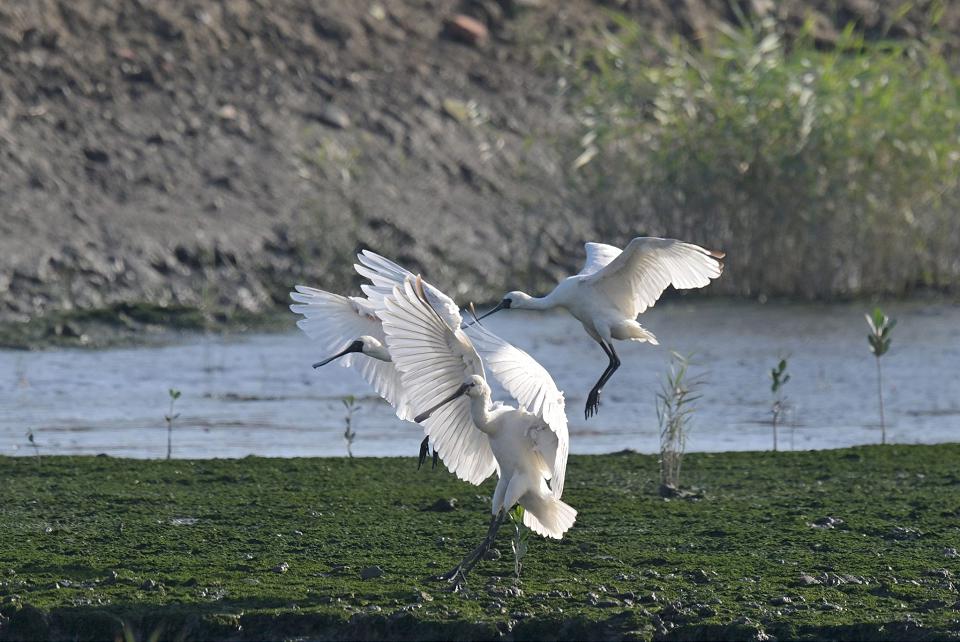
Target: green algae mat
846, 544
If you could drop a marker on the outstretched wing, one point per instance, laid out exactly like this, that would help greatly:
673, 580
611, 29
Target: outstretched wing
523, 377
599, 256
334, 322
385, 275
634, 280
434, 360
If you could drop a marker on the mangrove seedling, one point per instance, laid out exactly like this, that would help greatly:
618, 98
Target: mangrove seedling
780, 378
36, 448
170, 417
520, 541
349, 434
675, 407
879, 339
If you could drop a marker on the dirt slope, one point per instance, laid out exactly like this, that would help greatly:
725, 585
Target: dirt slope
213, 153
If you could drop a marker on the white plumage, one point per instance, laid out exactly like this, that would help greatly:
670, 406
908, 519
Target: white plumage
443, 377
405, 339
615, 286
337, 323
350, 329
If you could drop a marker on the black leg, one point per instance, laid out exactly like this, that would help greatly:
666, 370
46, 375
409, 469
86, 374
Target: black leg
614, 365
593, 399
436, 458
424, 449
458, 575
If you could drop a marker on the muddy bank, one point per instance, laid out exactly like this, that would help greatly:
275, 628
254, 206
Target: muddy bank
204, 156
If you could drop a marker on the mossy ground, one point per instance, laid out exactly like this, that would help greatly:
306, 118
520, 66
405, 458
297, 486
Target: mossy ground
194, 549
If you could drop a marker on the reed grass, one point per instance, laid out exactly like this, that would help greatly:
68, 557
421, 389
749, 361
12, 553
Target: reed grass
822, 174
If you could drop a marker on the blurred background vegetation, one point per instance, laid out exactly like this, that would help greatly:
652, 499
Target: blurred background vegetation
822, 172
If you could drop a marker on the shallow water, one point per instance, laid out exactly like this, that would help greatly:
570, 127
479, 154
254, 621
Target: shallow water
257, 394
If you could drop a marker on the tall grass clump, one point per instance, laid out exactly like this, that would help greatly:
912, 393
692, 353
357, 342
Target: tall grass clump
675, 407
822, 173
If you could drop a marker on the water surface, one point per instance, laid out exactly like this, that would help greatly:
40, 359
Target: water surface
257, 394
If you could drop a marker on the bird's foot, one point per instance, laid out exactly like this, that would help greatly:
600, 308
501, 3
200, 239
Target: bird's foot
457, 578
458, 583
458, 575
436, 458
424, 449
593, 404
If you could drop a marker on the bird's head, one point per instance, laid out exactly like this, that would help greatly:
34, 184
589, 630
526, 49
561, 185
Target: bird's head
472, 386
510, 300
370, 344
364, 344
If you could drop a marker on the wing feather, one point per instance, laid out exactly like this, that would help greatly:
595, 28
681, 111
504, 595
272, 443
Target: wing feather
385, 275
635, 279
533, 387
434, 359
599, 256
334, 321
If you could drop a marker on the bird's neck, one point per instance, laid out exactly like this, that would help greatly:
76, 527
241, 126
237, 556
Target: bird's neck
538, 302
480, 411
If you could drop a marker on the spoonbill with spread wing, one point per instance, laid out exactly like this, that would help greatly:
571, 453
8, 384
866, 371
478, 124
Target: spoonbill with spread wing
615, 287
348, 327
443, 378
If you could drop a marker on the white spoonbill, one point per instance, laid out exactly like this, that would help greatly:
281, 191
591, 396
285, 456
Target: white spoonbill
615, 287
347, 327
444, 379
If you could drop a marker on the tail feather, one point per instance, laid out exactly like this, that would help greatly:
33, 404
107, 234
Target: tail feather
632, 331
547, 515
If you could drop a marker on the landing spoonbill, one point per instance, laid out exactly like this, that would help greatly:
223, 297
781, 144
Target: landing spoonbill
444, 379
346, 327
615, 287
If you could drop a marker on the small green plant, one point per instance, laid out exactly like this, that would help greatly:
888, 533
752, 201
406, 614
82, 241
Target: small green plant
778, 409
879, 339
521, 539
675, 407
33, 443
170, 417
349, 434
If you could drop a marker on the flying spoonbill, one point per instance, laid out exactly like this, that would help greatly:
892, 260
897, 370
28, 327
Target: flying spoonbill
615, 287
348, 327
444, 379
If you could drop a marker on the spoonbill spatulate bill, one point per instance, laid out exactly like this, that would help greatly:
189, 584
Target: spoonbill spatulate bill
444, 379
348, 329
615, 286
